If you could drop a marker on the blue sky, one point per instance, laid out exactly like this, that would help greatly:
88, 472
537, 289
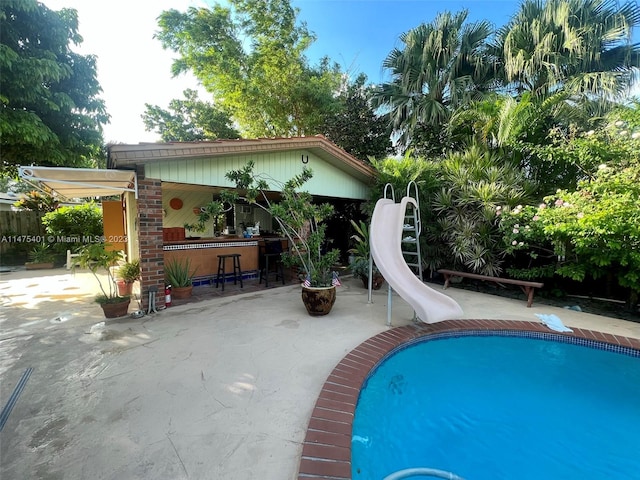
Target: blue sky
358, 34
134, 70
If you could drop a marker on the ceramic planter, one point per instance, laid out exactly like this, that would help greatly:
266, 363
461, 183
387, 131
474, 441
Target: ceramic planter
318, 300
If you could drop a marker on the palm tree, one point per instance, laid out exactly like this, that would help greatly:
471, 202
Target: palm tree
441, 65
580, 46
520, 130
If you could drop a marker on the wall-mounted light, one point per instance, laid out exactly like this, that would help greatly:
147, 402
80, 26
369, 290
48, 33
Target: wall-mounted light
304, 159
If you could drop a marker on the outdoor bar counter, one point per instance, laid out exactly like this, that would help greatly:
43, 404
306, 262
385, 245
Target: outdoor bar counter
204, 252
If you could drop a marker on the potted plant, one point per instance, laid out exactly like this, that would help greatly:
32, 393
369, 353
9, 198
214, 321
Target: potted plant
179, 275
360, 265
128, 273
97, 258
41, 256
300, 220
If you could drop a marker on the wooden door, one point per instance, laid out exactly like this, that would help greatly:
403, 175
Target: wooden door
114, 229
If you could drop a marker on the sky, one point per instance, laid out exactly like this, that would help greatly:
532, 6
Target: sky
133, 69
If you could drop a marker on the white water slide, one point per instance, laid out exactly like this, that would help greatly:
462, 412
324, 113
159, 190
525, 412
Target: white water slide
387, 224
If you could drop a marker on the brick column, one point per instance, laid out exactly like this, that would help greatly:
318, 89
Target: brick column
149, 219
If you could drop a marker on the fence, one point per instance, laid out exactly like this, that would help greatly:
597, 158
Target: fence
19, 233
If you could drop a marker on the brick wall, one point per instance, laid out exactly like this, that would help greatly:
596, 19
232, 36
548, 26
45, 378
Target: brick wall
150, 217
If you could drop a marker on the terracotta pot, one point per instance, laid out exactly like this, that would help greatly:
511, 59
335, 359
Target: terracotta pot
115, 310
181, 292
376, 283
318, 300
124, 288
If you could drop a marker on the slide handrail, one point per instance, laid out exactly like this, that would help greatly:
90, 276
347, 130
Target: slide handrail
417, 209
412, 472
388, 186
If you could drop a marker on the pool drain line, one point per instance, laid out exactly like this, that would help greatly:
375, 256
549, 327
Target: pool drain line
4, 415
413, 472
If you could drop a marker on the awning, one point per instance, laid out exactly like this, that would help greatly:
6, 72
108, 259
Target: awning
82, 182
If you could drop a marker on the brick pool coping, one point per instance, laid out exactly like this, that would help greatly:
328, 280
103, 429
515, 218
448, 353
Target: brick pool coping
326, 451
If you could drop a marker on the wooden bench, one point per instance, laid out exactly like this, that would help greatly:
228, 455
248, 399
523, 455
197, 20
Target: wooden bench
527, 287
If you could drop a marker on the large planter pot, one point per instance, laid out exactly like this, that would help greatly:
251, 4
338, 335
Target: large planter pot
318, 300
115, 310
181, 292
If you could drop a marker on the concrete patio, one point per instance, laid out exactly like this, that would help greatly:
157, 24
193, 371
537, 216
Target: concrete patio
217, 389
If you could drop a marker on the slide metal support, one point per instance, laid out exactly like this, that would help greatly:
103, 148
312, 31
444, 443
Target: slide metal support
389, 300
370, 280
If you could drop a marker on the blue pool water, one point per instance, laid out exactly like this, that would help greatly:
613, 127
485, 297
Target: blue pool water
499, 407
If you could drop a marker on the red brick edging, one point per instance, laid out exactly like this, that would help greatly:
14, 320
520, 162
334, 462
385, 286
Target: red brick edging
326, 451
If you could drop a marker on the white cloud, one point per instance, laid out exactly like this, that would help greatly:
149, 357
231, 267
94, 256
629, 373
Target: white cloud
133, 69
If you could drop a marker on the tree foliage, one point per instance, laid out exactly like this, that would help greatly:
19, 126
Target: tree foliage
573, 58
37, 202
355, 126
251, 58
189, 120
581, 46
441, 65
50, 110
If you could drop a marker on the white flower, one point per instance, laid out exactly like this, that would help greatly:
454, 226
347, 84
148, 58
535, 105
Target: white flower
536, 217
516, 226
498, 207
521, 244
514, 243
515, 230
580, 214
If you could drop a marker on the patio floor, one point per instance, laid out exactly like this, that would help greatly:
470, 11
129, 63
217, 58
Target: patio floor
222, 387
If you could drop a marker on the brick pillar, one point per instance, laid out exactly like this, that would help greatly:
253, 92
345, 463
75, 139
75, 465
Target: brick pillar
149, 218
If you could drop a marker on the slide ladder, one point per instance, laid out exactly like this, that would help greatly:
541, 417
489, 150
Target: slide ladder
393, 227
411, 230
414, 472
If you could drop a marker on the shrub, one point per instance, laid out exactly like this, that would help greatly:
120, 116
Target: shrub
593, 231
77, 222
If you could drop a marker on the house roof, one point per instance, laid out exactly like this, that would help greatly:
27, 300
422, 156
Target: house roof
129, 156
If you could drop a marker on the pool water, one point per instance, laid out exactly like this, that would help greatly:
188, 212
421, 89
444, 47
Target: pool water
500, 407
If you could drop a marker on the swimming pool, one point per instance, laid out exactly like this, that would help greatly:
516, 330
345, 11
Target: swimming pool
501, 407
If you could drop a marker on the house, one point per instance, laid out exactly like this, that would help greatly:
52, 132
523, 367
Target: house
175, 180
160, 187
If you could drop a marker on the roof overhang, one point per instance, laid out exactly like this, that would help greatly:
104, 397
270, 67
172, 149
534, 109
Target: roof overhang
130, 156
82, 182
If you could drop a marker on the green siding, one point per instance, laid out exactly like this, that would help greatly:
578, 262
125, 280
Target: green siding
327, 179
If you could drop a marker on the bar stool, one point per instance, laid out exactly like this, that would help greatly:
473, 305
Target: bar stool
271, 251
237, 273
